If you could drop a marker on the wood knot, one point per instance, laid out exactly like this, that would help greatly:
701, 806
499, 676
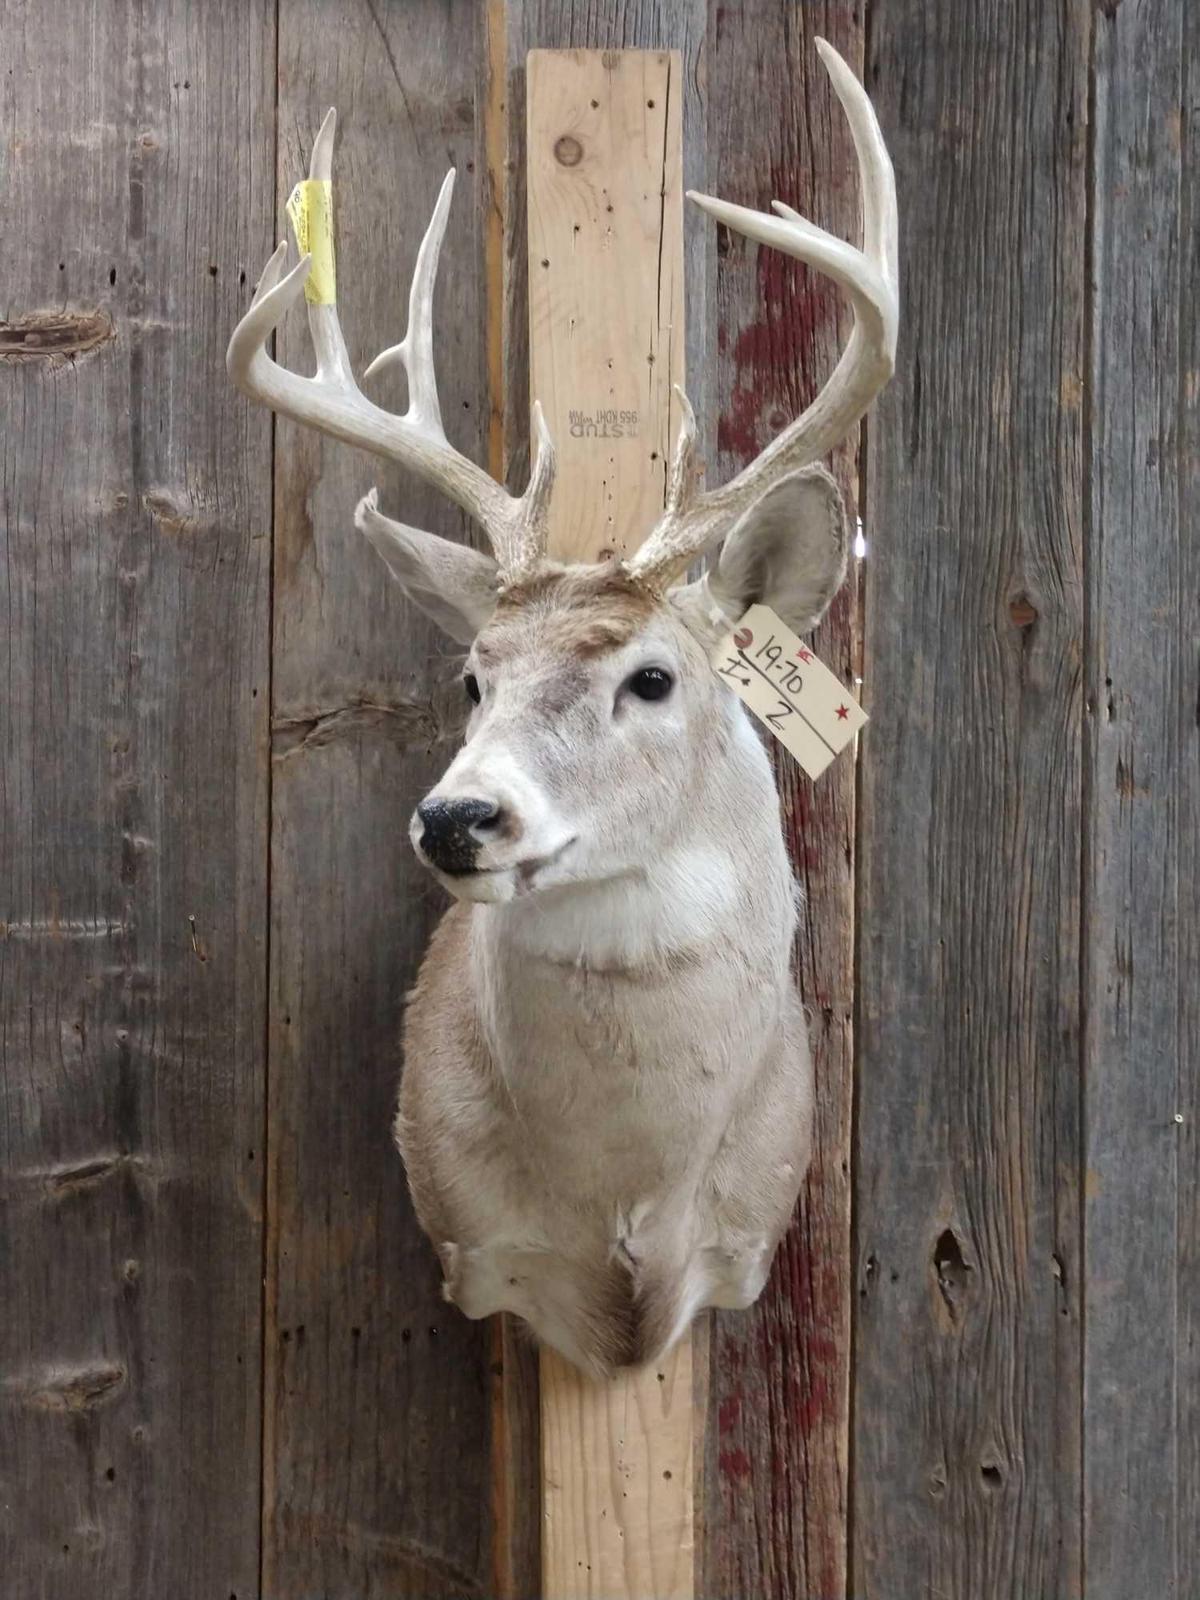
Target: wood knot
1022, 611
952, 1272
74, 1389
568, 151
54, 335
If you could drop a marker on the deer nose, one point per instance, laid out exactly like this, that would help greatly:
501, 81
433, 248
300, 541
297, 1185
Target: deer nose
451, 829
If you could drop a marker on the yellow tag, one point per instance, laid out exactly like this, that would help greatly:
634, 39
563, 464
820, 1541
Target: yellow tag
310, 206
774, 672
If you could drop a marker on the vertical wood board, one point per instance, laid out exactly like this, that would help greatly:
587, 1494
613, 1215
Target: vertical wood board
967, 1354
604, 168
605, 286
1187, 712
518, 27
377, 1393
777, 1446
516, 1463
513, 30
135, 156
1142, 913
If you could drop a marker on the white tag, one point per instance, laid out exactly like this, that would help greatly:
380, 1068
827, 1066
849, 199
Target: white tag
790, 692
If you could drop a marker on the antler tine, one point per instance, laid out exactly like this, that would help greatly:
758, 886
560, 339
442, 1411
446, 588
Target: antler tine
534, 531
692, 522
415, 350
325, 330
332, 401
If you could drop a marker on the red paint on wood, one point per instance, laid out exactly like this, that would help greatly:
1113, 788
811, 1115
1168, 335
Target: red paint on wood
734, 1464
780, 1527
770, 353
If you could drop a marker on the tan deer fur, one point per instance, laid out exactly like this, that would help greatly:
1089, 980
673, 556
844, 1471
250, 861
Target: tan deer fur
607, 1099
606, 1104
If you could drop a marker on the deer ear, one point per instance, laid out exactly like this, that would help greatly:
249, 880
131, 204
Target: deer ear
787, 552
451, 583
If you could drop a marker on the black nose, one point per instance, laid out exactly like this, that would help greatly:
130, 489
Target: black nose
448, 839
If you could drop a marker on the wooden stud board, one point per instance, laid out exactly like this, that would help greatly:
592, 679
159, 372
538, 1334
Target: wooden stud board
606, 335
617, 1484
606, 318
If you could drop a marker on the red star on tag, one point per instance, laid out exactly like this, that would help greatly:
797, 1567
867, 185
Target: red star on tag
843, 712
803, 654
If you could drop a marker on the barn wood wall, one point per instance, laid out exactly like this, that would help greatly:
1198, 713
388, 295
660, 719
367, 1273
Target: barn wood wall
222, 1340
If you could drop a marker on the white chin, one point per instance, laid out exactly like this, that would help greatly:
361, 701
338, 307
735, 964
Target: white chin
498, 884
484, 888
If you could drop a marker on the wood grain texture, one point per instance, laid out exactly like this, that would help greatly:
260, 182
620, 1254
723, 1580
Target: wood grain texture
1187, 998
967, 1351
1029, 773
778, 1417
606, 314
1143, 773
135, 161
617, 1457
377, 1394
617, 1486
580, 25
514, 30
516, 1417
516, 1466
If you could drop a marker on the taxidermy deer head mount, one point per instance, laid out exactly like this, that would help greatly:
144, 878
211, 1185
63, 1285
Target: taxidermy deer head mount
606, 1100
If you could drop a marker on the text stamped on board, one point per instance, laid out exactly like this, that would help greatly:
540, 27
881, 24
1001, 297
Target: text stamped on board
793, 694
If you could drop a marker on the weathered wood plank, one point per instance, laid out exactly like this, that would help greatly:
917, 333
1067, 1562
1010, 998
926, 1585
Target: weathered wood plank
516, 1417
967, 1350
378, 1395
778, 1424
605, 203
1188, 827
1142, 922
135, 505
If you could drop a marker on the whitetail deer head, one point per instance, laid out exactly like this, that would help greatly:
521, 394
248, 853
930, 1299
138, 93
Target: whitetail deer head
607, 672
617, 816
602, 674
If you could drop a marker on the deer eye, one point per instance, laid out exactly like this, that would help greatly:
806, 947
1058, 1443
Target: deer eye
650, 683
471, 685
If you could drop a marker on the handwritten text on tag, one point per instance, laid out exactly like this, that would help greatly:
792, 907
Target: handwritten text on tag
777, 676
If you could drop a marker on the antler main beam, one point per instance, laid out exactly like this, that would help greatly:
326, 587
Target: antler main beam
692, 521
332, 401
517, 527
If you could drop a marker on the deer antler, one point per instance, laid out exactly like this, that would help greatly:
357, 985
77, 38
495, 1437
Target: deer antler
693, 521
333, 402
